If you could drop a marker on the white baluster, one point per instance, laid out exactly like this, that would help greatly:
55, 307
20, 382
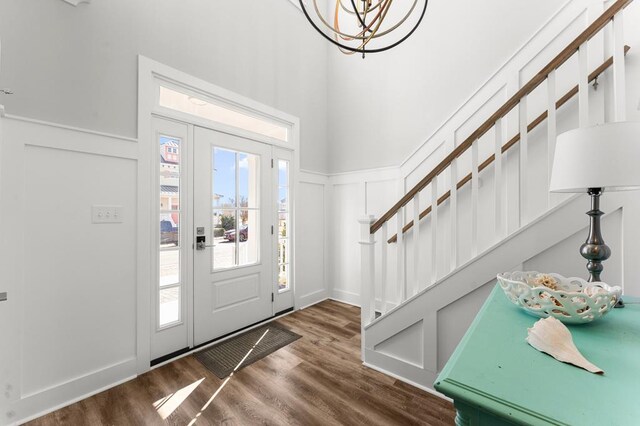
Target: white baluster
619, 83
416, 244
453, 214
500, 222
474, 198
367, 266
552, 129
434, 229
402, 285
524, 152
583, 85
383, 267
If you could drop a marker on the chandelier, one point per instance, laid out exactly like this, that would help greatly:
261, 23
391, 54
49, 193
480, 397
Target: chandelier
355, 24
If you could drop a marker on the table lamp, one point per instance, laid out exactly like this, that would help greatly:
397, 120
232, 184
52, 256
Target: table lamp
595, 160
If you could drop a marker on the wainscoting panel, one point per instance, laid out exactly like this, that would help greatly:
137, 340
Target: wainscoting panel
74, 325
313, 233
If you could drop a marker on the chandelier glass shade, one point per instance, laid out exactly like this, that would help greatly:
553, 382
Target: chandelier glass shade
365, 26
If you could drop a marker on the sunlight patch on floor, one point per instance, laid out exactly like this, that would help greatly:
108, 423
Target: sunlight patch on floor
169, 403
217, 392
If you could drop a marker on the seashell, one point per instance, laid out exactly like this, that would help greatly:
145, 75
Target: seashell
547, 281
550, 336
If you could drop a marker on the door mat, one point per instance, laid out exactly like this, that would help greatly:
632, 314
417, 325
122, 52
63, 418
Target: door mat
244, 349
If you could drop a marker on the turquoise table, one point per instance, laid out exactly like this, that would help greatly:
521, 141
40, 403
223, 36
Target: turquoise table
495, 377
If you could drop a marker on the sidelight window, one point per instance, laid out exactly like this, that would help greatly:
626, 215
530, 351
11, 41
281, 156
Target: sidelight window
283, 225
169, 286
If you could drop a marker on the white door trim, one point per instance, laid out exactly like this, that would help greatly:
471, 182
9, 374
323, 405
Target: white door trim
149, 73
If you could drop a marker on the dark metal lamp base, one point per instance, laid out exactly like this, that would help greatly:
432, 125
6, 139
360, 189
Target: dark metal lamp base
594, 249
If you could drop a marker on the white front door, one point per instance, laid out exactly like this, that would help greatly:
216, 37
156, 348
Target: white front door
233, 216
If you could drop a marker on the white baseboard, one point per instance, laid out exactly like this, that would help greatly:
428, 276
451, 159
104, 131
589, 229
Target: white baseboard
345, 297
38, 404
354, 300
312, 298
409, 382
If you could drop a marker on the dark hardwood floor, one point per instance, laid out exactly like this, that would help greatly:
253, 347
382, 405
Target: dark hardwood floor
316, 380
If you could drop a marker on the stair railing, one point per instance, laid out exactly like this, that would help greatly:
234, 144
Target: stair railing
370, 227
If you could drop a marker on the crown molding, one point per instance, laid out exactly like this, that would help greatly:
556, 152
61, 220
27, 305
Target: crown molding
77, 2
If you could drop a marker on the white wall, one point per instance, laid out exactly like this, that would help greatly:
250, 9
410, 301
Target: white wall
390, 103
71, 283
70, 322
78, 66
313, 232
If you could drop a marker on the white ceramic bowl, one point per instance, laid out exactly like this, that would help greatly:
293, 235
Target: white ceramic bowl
574, 301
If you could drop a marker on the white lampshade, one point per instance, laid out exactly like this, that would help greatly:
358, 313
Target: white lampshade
605, 156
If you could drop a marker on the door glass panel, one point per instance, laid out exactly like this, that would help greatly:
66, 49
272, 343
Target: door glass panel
283, 225
224, 178
169, 267
283, 277
283, 199
247, 242
169, 285
169, 232
224, 238
169, 305
283, 250
236, 227
248, 182
169, 198
283, 173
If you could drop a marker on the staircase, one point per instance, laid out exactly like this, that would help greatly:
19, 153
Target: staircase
489, 198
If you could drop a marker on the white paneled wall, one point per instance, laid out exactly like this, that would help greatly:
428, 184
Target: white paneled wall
79, 277
352, 195
74, 326
345, 260
70, 322
314, 230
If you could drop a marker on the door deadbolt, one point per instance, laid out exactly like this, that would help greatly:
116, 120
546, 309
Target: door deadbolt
201, 242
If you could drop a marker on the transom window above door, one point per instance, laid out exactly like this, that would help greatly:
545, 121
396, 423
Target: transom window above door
201, 107
235, 202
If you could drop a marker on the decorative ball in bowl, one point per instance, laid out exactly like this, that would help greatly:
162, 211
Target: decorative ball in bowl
570, 300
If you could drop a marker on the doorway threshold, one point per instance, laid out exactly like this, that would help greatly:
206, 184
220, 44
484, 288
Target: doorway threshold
166, 359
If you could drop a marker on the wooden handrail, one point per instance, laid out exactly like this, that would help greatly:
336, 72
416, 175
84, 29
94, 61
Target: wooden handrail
537, 79
537, 121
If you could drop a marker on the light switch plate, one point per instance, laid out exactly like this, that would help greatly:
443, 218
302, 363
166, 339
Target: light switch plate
106, 214
3, 296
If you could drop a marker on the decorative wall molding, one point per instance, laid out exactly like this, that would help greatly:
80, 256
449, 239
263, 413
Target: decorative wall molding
77, 2
70, 128
562, 18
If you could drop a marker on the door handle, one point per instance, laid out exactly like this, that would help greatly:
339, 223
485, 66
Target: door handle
202, 246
